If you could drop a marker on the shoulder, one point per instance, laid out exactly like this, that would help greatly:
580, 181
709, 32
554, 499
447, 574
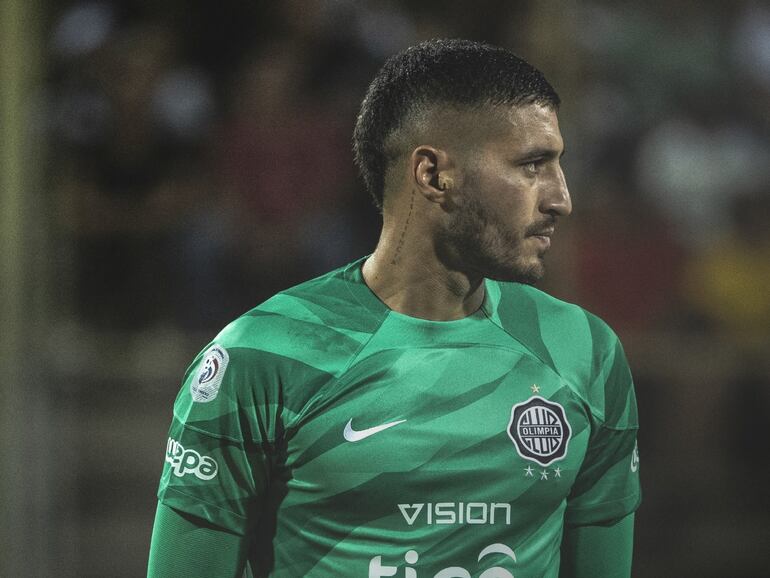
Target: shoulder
315, 323
575, 343
275, 355
551, 325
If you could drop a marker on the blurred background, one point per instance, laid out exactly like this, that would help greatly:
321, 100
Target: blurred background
165, 166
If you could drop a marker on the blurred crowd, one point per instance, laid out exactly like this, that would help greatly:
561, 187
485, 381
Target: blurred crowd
200, 161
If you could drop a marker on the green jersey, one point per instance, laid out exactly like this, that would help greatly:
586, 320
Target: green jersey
347, 439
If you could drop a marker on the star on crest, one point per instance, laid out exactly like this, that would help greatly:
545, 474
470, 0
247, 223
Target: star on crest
528, 472
535, 388
557, 472
544, 475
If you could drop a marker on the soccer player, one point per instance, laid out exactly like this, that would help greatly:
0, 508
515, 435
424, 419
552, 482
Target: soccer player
422, 412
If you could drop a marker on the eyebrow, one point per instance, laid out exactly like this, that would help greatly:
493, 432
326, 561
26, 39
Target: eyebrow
543, 153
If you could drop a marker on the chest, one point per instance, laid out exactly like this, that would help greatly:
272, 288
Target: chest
454, 425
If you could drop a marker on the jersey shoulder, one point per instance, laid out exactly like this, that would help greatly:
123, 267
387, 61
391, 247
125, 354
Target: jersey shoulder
576, 344
276, 357
318, 323
551, 326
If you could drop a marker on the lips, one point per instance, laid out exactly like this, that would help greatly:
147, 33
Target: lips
542, 228
544, 232
543, 236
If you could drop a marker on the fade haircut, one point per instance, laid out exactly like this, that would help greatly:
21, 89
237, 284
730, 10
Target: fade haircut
461, 74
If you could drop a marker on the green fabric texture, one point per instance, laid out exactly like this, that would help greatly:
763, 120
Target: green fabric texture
598, 551
346, 439
185, 547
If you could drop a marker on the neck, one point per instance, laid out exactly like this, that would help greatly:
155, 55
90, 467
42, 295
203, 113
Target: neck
408, 275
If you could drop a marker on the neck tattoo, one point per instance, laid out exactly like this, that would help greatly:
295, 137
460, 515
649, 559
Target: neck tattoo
400, 244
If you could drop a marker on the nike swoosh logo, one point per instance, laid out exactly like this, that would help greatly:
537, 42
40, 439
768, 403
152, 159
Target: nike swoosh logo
352, 435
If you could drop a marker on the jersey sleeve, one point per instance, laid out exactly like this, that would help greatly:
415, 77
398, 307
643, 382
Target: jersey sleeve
598, 551
220, 443
607, 486
184, 546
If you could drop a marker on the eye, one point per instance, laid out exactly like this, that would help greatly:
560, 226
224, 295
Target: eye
532, 167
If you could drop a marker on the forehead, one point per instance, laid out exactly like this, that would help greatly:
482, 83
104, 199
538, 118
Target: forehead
524, 128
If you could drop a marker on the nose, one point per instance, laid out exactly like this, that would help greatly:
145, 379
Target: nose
555, 195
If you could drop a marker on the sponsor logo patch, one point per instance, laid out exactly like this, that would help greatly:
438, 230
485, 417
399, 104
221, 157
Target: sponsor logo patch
449, 513
188, 461
539, 430
500, 553
205, 386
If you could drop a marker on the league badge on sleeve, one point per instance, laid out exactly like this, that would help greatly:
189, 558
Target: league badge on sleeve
205, 385
539, 429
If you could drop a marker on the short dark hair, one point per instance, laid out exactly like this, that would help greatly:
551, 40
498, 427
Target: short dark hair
459, 73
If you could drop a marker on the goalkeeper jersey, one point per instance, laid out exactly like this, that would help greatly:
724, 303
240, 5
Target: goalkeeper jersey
347, 439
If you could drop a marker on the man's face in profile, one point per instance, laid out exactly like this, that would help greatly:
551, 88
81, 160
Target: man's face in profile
512, 190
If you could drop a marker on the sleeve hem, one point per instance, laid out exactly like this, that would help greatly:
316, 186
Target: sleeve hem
603, 511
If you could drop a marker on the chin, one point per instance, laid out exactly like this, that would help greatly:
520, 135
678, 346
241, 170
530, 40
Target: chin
528, 274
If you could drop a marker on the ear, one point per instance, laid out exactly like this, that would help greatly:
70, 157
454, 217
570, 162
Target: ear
431, 171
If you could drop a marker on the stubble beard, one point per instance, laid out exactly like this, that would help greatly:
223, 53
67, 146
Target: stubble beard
478, 242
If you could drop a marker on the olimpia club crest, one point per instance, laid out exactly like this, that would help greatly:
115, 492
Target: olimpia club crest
539, 430
205, 386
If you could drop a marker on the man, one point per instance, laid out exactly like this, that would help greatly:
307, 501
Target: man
423, 412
